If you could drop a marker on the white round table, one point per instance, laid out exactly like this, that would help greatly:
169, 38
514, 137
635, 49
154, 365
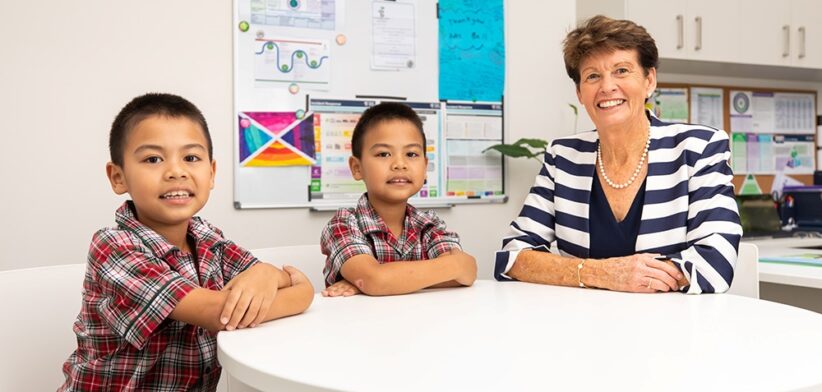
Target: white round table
513, 336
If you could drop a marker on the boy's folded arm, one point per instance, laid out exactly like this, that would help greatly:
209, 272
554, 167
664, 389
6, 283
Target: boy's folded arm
467, 268
403, 277
283, 279
450, 283
291, 300
201, 307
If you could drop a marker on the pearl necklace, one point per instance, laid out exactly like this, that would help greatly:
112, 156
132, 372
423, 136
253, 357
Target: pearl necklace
636, 172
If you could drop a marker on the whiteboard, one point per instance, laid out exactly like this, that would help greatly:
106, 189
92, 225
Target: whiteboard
286, 51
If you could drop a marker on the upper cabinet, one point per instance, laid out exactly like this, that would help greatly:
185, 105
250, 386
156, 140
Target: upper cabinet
770, 42
694, 29
806, 20
785, 33
761, 32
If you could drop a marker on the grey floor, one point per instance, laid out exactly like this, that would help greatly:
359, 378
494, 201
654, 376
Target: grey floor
802, 297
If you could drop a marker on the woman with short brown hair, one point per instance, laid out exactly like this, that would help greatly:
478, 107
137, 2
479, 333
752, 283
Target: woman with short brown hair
637, 205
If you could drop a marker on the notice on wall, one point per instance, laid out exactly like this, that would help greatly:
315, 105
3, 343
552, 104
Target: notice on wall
284, 61
392, 35
312, 14
706, 106
739, 153
772, 154
794, 153
741, 111
762, 112
472, 50
769, 112
794, 113
671, 104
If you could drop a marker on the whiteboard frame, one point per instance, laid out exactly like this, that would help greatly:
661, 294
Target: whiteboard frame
408, 82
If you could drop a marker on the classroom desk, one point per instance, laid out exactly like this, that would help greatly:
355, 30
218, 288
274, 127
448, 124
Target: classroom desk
788, 274
796, 285
515, 336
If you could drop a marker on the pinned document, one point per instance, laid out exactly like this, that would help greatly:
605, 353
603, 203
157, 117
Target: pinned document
706, 106
750, 186
392, 36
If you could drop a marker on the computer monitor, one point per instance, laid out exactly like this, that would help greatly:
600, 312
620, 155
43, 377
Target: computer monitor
759, 215
807, 209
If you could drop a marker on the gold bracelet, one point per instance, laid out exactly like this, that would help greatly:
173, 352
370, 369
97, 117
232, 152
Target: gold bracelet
579, 268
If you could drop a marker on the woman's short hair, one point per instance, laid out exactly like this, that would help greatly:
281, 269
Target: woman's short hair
603, 34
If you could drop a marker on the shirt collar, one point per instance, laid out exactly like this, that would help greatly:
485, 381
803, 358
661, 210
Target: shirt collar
652, 119
372, 222
203, 234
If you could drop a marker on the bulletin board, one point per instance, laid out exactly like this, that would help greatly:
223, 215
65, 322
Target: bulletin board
302, 65
772, 131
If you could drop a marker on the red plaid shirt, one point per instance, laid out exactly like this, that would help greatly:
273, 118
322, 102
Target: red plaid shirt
359, 230
134, 279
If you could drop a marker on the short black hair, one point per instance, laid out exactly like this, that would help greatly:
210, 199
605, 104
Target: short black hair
379, 113
147, 105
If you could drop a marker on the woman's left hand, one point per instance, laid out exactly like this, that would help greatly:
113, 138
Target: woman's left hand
639, 273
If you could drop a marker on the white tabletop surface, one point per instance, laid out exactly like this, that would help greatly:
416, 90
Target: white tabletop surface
515, 336
789, 274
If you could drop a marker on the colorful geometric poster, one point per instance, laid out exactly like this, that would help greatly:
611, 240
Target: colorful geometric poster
471, 50
276, 139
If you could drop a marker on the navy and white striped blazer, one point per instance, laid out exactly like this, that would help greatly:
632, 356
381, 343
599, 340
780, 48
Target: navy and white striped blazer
689, 214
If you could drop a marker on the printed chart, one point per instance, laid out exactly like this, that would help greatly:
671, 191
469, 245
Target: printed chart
470, 129
292, 61
311, 14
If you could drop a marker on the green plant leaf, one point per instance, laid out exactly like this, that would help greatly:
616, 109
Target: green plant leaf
511, 151
536, 143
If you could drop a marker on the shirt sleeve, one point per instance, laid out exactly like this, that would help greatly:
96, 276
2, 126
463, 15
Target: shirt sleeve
534, 227
436, 238
341, 240
138, 290
713, 228
236, 259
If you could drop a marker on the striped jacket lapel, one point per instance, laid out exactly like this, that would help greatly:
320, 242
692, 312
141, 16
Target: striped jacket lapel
575, 161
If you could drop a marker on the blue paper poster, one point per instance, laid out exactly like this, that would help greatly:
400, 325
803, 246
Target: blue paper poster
471, 50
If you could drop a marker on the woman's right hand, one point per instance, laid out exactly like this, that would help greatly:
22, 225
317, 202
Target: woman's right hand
639, 273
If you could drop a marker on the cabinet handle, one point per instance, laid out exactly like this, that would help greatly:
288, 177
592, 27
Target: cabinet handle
802, 42
680, 32
786, 43
698, 21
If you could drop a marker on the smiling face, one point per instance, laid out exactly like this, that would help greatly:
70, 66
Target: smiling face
613, 88
166, 170
392, 162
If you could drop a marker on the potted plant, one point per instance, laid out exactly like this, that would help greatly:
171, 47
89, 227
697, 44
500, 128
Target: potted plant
528, 148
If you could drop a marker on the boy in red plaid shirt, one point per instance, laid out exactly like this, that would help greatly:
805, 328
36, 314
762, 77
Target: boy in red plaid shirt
378, 247
161, 284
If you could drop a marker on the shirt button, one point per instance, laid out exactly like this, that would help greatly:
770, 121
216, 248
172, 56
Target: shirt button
200, 331
208, 369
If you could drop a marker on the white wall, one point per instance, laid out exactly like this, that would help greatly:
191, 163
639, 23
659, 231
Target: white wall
68, 67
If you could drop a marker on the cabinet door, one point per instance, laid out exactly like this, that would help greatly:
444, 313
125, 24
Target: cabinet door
665, 21
806, 26
711, 28
765, 34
